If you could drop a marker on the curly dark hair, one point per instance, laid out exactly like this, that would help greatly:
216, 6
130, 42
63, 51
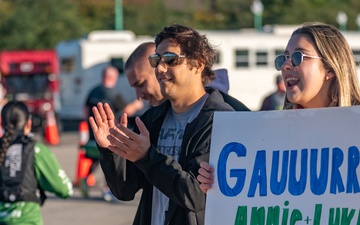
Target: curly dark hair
194, 45
14, 116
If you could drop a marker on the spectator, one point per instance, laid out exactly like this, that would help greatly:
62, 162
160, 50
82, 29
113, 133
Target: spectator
275, 101
322, 74
105, 92
162, 155
141, 75
23, 185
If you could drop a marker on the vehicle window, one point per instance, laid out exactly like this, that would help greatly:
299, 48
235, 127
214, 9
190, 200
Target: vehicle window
34, 86
241, 58
67, 65
261, 58
218, 57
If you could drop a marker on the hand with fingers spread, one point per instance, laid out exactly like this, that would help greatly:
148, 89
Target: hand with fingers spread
205, 177
128, 144
102, 121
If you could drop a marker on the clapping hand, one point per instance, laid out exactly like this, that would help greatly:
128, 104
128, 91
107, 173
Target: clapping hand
101, 123
128, 144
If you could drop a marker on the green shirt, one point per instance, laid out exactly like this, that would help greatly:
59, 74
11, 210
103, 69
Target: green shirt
51, 178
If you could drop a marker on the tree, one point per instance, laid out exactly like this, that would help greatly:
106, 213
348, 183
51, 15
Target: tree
95, 14
38, 24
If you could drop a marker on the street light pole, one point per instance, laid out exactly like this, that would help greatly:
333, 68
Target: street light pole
118, 15
342, 20
358, 21
257, 8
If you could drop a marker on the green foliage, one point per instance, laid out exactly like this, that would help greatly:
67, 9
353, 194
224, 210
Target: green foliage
39, 24
149, 22
96, 14
300, 11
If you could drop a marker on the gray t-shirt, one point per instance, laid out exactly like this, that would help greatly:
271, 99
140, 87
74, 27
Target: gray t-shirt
169, 143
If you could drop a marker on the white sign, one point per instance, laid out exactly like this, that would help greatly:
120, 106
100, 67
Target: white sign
285, 167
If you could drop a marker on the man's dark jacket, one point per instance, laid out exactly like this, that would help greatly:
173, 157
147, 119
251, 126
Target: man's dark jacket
177, 180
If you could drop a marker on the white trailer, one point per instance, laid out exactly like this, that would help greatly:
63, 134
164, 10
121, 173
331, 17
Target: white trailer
246, 54
82, 62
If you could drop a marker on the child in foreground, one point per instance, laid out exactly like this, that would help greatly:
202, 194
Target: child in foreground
27, 170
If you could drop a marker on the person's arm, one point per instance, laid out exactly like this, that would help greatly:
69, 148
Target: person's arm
119, 103
131, 108
177, 180
51, 176
149, 165
122, 177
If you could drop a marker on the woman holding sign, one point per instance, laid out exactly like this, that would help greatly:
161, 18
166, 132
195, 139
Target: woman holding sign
321, 71
318, 69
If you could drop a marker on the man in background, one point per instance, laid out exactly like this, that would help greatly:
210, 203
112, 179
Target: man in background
105, 93
275, 101
141, 75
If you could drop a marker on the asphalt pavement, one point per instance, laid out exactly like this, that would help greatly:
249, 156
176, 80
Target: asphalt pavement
77, 210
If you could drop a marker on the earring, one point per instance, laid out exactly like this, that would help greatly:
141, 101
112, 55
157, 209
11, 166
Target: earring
326, 77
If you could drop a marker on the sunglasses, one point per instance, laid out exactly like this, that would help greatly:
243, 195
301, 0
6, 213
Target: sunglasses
169, 59
296, 59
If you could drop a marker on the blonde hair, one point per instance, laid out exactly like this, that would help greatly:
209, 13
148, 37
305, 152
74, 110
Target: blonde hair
338, 58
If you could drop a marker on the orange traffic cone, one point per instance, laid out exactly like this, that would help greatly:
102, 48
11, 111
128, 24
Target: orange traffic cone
83, 163
83, 166
51, 132
83, 133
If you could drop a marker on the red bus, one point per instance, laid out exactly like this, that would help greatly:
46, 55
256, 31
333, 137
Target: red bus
33, 78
